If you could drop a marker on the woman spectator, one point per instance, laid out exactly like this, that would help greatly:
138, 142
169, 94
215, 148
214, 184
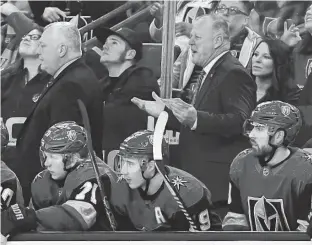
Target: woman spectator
271, 70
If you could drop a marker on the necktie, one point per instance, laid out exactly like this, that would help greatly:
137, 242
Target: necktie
192, 88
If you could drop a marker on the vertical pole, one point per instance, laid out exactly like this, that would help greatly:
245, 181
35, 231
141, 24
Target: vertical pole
167, 57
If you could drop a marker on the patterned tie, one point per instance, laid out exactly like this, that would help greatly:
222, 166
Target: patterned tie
193, 86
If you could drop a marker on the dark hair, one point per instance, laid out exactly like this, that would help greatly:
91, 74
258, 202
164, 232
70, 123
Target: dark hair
282, 77
248, 6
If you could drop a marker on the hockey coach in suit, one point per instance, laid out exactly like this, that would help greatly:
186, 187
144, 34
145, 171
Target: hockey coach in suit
60, 53
217, 99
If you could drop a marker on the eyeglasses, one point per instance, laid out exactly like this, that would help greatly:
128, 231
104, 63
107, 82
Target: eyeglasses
33, 37
230, 10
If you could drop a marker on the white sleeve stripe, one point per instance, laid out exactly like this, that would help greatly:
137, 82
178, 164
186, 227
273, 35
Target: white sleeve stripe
83, 211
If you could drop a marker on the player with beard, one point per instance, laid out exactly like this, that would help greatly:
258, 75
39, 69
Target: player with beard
270, 183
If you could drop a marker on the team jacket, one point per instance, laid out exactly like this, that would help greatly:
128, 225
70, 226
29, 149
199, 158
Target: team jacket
270, 199
74, 204
160, 211
11, 191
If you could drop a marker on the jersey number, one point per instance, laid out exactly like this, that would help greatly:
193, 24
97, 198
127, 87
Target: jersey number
204, 220
6, 196
86, 188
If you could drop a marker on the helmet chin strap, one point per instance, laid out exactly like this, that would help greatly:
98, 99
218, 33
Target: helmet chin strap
148, 181
262, 160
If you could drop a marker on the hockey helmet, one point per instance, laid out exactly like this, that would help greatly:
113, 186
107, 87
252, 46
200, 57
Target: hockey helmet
137, 145
277, 115
4, 135
64, 138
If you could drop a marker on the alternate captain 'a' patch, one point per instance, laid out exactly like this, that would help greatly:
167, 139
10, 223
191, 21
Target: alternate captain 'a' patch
178, 181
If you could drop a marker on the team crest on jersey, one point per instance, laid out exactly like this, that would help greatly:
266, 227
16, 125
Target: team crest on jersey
307, 156
308, 68
178, 182
36, 97
234, 53
267, 214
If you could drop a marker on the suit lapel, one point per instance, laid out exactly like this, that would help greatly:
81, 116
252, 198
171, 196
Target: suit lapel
211, 81
49, 85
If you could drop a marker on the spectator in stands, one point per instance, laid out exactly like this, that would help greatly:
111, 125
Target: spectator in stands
271, 69
121, 52
60, 55
243, 38
187, 12
302, 53
21, 82
305, 106
210, 123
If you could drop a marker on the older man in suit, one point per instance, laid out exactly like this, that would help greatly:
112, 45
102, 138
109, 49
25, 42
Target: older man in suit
219, 96
60, 53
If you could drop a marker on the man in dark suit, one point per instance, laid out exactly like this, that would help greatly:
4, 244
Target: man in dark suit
122, 50
60, 53
219, 96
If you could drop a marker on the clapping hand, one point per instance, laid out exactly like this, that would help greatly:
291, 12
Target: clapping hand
184, 112
290, 36
154, 108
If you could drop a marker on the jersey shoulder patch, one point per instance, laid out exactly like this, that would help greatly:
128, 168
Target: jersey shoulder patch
190, 189
239, 162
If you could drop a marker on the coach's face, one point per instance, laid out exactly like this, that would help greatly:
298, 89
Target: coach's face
49, 51
202, 42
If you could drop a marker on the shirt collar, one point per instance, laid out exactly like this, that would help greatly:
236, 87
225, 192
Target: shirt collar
208, 67
251, 34
62, 68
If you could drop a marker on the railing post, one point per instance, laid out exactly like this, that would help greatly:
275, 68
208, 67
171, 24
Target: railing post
167, 57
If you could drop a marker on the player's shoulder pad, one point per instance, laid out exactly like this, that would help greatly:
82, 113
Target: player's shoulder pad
301, 160
41, 177
189, 188
240, 160
6, 173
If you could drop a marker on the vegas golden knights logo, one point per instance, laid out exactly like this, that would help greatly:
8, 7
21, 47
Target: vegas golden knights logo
267, 214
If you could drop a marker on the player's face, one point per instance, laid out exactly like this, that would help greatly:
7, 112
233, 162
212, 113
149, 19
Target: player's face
132, 173
262, 62
114, 50
55, 165
30, 43
259, 139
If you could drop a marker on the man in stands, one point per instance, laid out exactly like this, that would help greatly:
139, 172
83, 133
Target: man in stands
147, 201
271, 183
121, 52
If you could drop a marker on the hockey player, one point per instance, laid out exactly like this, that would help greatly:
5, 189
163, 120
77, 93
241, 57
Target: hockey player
147, 202
65, 196
270, 183
11, 191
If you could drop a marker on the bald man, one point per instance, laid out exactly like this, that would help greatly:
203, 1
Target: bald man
60, 54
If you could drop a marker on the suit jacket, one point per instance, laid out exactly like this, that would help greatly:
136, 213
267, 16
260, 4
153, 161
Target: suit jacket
226, 98
58, 102
121, 117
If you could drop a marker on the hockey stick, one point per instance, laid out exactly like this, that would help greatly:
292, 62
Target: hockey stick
158, 157
86, 124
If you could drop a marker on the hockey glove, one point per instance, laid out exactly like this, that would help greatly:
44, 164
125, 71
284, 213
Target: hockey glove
17, 219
